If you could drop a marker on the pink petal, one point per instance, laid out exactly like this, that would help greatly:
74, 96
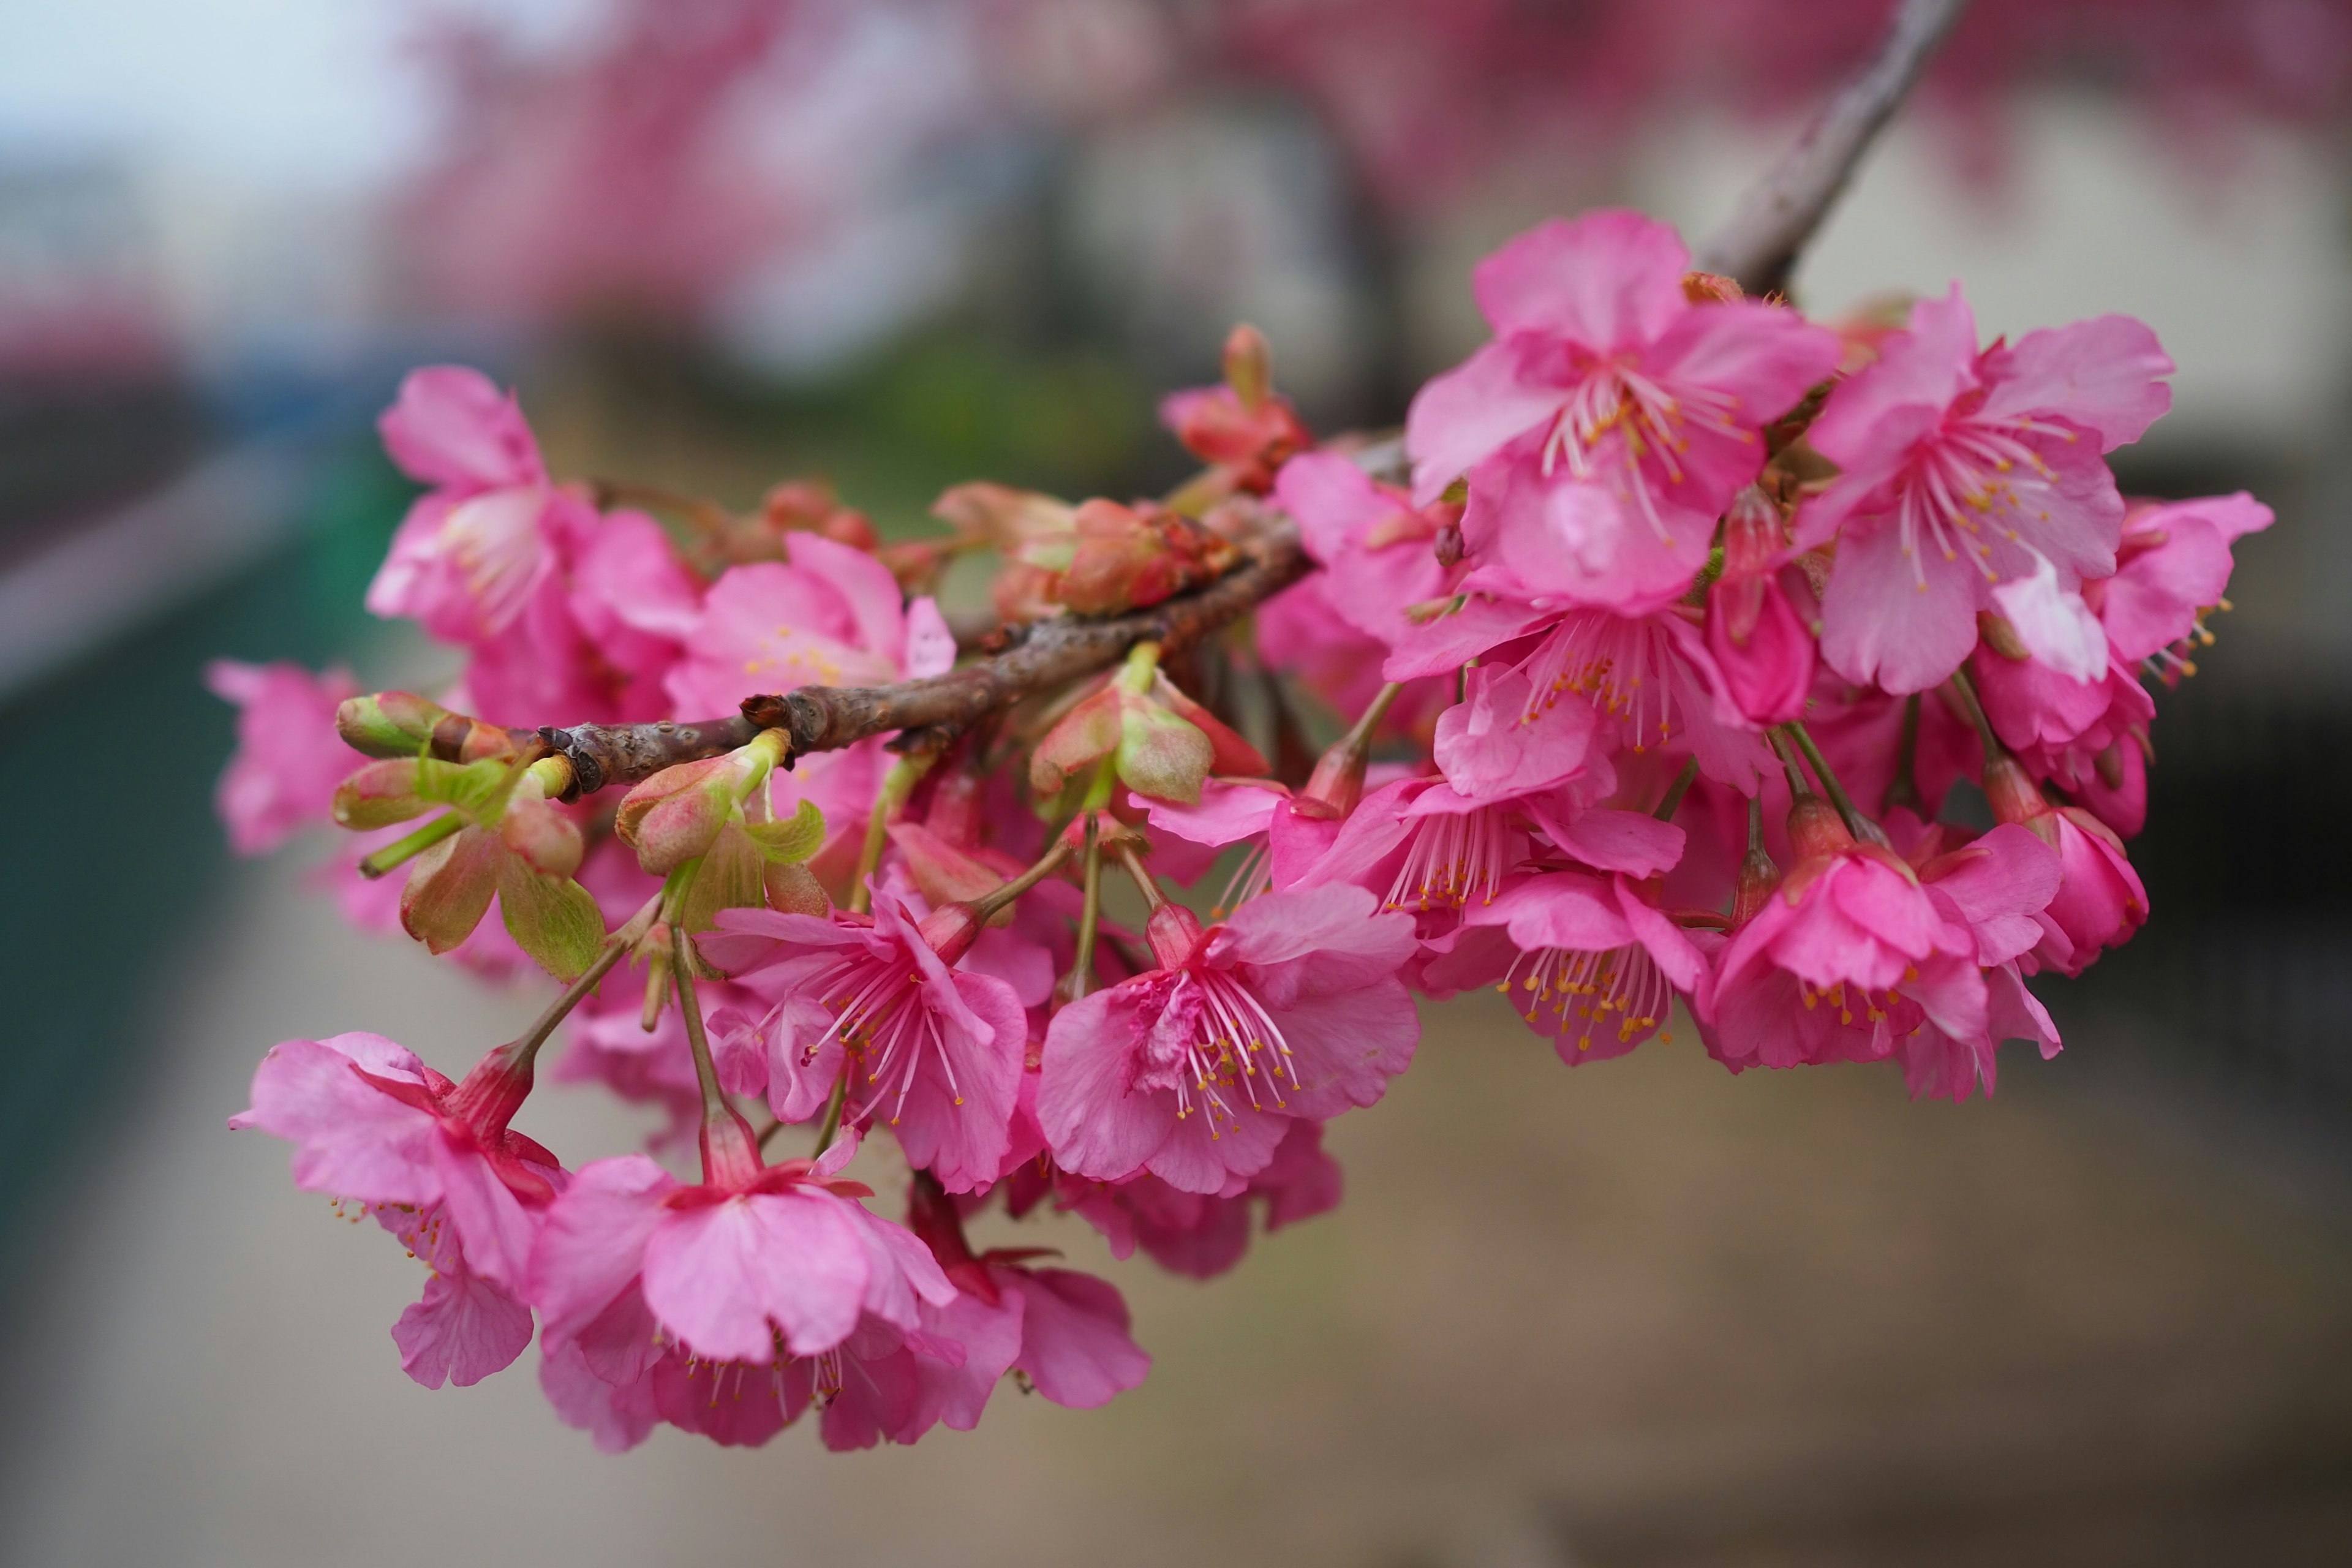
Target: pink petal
495, 1229
1094, 1124
1074, 1336
1881, 628
2055, 624
352, 1139
1609, 279
720, 1275
2104, 374
462, 1330
592, 1241
452, 425
1632, 842
1460, 418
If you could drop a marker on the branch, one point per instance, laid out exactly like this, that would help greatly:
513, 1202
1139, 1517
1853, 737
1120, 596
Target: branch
1759, 246
826, 718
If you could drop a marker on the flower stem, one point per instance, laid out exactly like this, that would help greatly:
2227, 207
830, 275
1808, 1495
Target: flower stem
690, 1008
896, 786
1675, 791
1081, 978
1145, 882
1903, 790
830, 1122
1964, 692
403, 850
616, 948
988, 903
1860, 827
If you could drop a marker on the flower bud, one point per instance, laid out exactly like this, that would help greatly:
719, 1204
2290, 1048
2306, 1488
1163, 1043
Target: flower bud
1711, 288
544, 838
1249, 366
949, 931
388, 723
676, 815
379, 794
1161, 755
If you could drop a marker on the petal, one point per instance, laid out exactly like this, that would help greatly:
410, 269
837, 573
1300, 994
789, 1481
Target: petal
352, 1139
591, 1242
2105, 375
1894, 621
1095, 1122
462, 1330
718, 1276
1463, 416
1074, 1345
1607, 280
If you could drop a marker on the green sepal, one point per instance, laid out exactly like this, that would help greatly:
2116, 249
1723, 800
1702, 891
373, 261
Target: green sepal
791, 841
554, 919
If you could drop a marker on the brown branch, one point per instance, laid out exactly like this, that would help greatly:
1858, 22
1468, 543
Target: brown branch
826, 718
1761, 244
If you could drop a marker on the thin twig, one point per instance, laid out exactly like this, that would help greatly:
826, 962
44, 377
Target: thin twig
827, 718
1761, 244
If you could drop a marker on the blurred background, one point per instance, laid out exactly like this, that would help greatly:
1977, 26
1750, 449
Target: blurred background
1640, 1315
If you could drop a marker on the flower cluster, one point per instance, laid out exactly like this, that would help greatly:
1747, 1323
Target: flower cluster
1660, 649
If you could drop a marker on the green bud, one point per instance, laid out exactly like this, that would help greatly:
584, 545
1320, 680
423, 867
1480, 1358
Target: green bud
388, 723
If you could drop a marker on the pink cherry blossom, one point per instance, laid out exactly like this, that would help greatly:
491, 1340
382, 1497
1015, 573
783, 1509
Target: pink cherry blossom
288, 757
475, 548
1593, 964
437, 1165
829, 615
1611, 420
762, 1265
1377, 548
1192, 1071
1973, 481
1759, 617
1063, 1332
1198, 1235
1847, 956
933, 1050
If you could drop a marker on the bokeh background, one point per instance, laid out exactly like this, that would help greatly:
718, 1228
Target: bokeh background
1644, 1314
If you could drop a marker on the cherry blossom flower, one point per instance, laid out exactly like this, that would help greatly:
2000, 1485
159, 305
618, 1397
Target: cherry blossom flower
1065, 1332
1593, 964
726, 1307
437, 1165
288, 757
933, 1050
1192, 1071
1197, 1235
2100, 899
1975, 479
1611, 419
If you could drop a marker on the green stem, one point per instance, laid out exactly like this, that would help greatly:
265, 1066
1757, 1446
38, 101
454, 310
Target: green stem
1965, 690
616, 948
1798, 788
1903, 790
830, 1123
896, 786
1082, 969
1676, 790
690, 1007
403, 850
1860, 827
1145, 882
988, 903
